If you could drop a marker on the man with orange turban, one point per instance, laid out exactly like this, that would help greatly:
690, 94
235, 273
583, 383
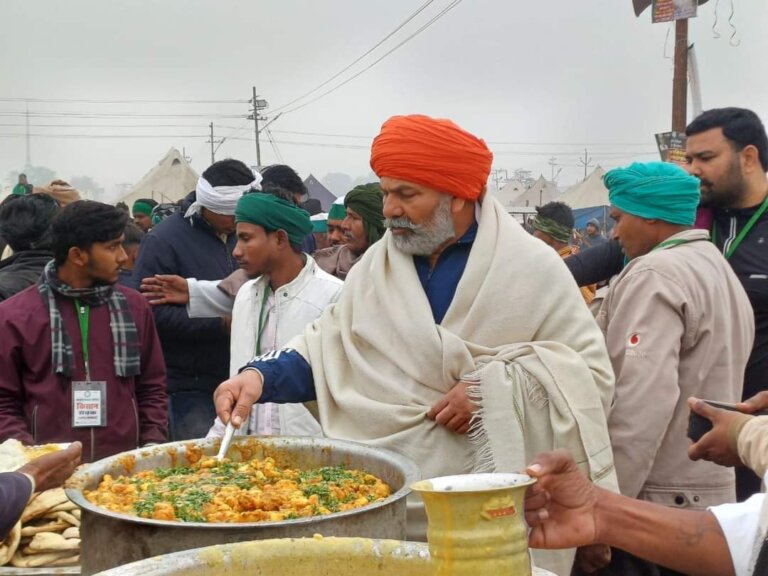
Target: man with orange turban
458, 340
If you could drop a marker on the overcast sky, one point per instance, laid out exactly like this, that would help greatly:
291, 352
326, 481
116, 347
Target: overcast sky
534, 79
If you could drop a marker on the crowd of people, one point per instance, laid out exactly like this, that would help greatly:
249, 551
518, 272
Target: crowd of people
421, 317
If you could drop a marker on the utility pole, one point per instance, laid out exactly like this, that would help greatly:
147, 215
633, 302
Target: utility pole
213, 142
213, 153
586, 162
680, 79
553, 164
496, 175
257, 105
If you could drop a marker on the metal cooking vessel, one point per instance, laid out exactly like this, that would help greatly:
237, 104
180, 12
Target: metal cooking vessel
295, 557
110, 539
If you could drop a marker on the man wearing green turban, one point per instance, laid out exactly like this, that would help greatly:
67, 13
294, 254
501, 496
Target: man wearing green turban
677, 324
363, 225
285, 291
336, 215
142, 213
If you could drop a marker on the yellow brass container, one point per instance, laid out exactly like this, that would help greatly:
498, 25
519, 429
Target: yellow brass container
476, 524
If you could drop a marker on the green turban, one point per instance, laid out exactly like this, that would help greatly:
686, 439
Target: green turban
337, 212
654, 190
368, 201
142, 207
272, 214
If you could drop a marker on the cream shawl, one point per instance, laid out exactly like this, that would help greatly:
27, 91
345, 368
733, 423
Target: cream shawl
380, 362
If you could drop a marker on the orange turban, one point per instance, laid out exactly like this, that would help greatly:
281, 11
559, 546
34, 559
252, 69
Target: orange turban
432, 152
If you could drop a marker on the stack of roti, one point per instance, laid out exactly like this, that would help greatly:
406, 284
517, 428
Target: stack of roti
48, 533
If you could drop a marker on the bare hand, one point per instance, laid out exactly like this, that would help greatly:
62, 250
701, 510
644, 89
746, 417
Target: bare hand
591, 558
454, 410
751, 405
234, 397
165, 289
716, 445
560, 507
51, 470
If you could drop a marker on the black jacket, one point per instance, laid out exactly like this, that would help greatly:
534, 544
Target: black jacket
750, 263
196, 350
21, 270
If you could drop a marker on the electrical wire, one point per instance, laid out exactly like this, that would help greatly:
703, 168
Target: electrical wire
413, 15
131, 101
439, 15
123, 115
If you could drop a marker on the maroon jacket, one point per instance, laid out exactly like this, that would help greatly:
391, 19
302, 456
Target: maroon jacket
36, 404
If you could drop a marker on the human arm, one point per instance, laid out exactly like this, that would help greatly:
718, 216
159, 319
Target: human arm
282, 376
596, 264
752, 444
150, 386
157, 257
565, 510
203, 298
646, 327
43, 473
15, 491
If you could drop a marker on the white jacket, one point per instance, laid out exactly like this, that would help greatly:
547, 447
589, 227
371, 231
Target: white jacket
296, 304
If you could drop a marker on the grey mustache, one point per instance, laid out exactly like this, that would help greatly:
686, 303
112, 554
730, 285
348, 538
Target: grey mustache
400, 223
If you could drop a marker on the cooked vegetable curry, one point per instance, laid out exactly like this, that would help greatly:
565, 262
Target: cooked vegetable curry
228, 491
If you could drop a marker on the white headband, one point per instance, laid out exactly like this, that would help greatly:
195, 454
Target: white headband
220, 199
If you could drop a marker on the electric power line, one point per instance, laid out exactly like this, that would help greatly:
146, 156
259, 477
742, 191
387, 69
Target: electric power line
418, 11
116, 115
439, 15
129, 101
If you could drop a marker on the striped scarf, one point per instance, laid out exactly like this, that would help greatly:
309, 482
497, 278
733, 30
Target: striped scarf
124, 334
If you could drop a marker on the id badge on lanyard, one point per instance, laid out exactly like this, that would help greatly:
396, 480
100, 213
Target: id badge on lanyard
89, 404
89, 397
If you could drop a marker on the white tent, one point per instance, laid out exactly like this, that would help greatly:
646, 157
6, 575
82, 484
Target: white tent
589, 193
171, 180
509, 192
542, 192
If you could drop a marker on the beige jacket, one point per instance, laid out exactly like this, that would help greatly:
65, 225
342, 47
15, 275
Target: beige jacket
752, 444
677, 323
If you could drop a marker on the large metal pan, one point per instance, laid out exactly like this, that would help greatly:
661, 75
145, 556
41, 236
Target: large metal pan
295, 557
110, 539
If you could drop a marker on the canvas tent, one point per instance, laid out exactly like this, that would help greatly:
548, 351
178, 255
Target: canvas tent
540, 193
508, 193
589, 199
169, 181
318, 191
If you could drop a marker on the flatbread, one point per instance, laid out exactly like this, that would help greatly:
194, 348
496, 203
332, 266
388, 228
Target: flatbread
65, 507
71, 532
51, 542
45, 526
21, 560
66, 561
11, 543
43, 502
67, 517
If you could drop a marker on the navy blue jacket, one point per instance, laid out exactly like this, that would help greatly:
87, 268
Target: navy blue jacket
288, 376
196, 350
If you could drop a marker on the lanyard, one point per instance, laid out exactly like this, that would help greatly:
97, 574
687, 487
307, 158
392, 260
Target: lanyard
673, 242
262, 320
83, 315
744, 231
